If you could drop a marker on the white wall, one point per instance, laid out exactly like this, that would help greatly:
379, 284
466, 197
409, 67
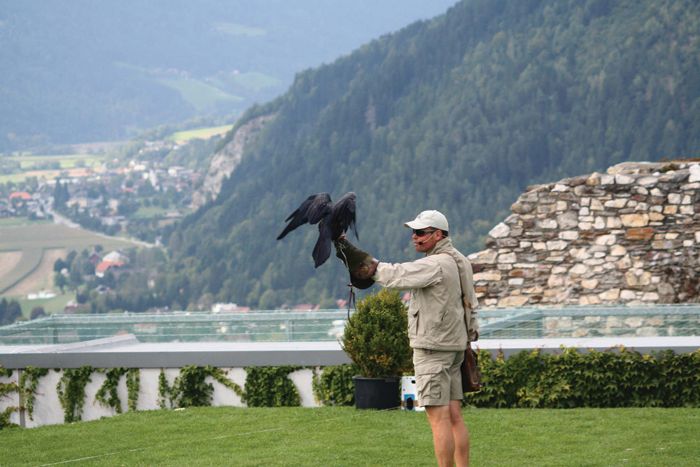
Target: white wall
48, 410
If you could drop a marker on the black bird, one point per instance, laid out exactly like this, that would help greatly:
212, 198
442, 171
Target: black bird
333, 219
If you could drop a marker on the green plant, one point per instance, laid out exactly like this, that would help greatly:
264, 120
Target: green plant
615, 378
133, 382
376, 336
270, 387
190, 388
5, 389
71, 391
220, 376
164, 391
28, 383
334, 385
107, 395
5, 418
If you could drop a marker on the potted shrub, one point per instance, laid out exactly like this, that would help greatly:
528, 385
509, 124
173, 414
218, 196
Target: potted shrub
376, 340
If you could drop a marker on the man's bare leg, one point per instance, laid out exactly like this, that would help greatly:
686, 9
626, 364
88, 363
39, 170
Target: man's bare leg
460, 434
443, 438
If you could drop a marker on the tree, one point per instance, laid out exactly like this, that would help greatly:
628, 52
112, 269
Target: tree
60, 281
10, 311
37, 312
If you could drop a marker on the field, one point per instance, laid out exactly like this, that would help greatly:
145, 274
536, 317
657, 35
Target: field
343, 436
199, 133
28, 251
75, 165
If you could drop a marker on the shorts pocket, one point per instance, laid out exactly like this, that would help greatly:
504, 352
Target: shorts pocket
428, 384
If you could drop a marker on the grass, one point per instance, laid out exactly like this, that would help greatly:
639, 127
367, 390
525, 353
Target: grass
36, 240
70, 163
199, 133
20, 221
198, 93
30, 260
66, 161
47, 236
50, 305
345, 436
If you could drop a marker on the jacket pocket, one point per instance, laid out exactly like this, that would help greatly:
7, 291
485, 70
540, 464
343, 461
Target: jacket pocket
413, 318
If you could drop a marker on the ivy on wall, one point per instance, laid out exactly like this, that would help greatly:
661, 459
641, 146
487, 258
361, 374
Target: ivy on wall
190, 388
334, 385
107, 394
133, 383
28, 383
615, 378
5, 390
71, 391
270, 386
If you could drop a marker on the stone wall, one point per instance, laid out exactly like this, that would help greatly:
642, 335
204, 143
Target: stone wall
631, 235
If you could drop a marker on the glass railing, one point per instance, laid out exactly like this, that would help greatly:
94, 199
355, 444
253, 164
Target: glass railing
328, 325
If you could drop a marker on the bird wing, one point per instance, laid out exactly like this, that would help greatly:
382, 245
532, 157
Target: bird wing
322, 249
311, 210
343, 216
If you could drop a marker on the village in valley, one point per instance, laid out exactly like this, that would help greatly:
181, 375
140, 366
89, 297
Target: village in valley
135, 198
118, 199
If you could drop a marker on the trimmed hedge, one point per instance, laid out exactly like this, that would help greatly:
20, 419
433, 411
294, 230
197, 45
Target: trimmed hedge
614, 378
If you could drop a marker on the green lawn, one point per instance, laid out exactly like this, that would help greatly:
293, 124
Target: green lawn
50, 305
344, 436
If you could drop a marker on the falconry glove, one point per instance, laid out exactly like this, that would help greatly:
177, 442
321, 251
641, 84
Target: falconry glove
360, 264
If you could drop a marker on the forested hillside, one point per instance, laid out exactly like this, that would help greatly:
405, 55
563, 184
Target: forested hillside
459, 114
75, 71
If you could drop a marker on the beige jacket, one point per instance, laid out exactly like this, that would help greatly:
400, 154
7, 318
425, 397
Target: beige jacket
436, 313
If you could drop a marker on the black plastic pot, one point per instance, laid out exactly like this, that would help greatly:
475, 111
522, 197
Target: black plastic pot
377, 393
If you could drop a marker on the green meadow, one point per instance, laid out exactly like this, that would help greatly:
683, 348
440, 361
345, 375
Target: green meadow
200, 133
28, 251
344, 436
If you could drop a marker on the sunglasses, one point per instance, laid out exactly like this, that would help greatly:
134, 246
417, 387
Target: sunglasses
421, 232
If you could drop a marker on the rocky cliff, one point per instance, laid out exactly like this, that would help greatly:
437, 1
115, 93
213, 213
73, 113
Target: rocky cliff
631, 236
227, 159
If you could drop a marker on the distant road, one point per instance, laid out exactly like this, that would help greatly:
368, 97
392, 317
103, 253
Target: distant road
62, 220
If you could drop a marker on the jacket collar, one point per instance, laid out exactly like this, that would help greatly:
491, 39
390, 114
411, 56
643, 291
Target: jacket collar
441, 247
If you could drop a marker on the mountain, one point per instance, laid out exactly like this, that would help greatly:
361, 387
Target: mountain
84, 70
459, 114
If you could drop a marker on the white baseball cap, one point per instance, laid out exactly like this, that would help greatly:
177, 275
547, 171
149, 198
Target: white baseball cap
425, 219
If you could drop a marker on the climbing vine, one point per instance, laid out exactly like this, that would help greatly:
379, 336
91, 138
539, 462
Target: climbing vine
190, 388
164, 391
71, 391
28, 383
221, 376
5, 389
270, 386
334, 385
133, 382
108, 394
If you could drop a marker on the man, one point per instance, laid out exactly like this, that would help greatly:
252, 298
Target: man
442, 291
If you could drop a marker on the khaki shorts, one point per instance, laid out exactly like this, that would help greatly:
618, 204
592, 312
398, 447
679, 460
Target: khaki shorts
438, 378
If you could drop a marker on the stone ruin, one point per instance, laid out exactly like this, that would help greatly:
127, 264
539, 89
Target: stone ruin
630, 236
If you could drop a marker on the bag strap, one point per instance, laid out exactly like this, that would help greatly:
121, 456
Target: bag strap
461, 296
